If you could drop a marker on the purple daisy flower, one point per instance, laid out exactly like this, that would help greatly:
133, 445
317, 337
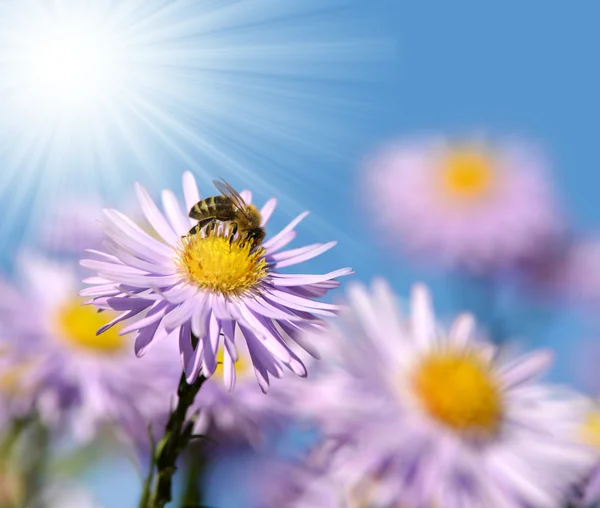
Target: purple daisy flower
212, 284
426, 416
470, 206
79, 381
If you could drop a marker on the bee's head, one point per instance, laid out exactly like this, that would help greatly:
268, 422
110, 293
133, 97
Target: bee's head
256, 235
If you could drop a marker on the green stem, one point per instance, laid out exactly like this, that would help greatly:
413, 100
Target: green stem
11, 470
145, 498
192, 495
178, 433
35, 472
12, 437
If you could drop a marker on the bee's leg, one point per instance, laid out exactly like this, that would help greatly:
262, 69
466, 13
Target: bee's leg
234, 229
194, 230
205, 222
198, 227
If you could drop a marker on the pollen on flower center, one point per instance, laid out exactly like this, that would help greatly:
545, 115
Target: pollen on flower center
219, 265
457, 390
467, 173
78, 323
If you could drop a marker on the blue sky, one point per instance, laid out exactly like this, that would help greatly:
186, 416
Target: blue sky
380, 69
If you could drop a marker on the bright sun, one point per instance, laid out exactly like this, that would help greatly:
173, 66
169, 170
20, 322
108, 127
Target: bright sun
74, 65
71, 62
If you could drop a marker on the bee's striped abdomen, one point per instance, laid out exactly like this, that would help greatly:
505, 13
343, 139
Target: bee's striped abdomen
217, 207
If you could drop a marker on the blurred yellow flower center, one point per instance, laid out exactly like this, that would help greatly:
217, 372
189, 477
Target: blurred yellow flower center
79, 323
11, 376
467, 174
457, 389
242, 366
590, 433
218, 265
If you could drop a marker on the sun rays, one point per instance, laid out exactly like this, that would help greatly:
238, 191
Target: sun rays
97, 95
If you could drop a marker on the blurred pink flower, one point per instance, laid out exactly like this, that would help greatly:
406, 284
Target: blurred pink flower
472, 206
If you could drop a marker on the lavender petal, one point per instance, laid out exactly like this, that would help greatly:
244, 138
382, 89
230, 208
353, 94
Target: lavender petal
267, 210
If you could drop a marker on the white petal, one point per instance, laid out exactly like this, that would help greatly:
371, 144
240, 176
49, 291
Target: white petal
462, 329
281, 242
155, 218
267, 210
290, 227
246, 196
387, 306
190, 190
178, 220
422, 318
126, 233
525, 368
228, 370
317, 250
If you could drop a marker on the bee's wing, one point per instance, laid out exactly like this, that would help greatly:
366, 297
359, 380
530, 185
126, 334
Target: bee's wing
227, 190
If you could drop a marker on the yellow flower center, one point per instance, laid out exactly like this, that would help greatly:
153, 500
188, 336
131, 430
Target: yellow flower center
78, 325
467, 174
457, 390
590, 434
218, 265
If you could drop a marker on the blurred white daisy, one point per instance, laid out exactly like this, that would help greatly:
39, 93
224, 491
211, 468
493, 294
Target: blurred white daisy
437, 418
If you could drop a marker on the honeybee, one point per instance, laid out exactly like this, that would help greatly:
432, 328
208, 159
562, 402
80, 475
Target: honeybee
229, 207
